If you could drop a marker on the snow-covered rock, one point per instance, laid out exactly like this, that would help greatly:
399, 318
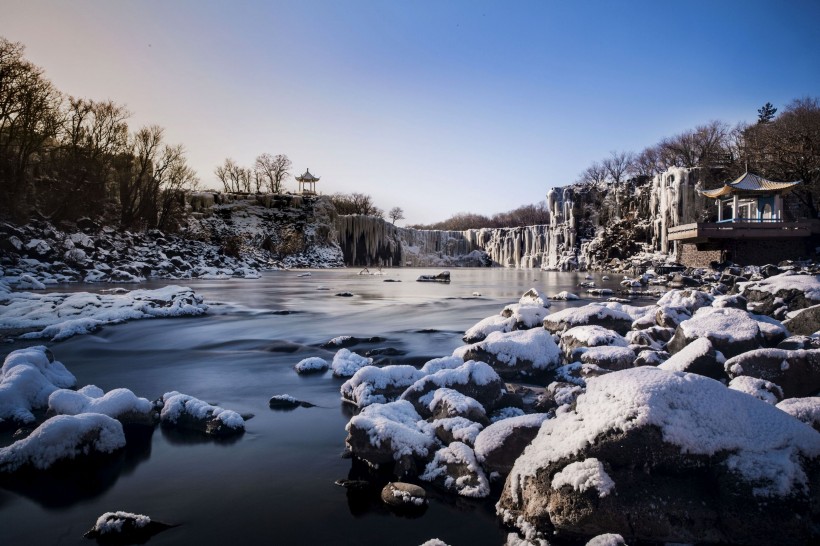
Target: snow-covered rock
404, 495
455, 429
372, 385
474, 379
704, 454
313, 364
346, 363
759, 388
576, 340
776, 295
609, 357
61, 438
186, 412
500, 444
27, 379
447, 403
591, 314
804, 322
121, 404
124, 528
731, 331
512, 354
698, 357
805, 409
392, 433
455, 469
796, 372
495, 323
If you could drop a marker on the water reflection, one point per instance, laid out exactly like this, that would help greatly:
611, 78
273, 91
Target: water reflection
69, 482
184, 437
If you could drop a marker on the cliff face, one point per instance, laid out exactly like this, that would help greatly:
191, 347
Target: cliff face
589, 226
287, 230
370, 241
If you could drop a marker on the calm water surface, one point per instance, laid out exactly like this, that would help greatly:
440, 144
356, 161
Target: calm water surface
274, 484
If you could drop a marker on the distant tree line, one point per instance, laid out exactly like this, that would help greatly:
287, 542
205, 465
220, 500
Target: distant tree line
525, 215
267, 174
65, 157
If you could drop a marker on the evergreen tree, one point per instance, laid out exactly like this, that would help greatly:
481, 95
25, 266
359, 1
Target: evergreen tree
766, 113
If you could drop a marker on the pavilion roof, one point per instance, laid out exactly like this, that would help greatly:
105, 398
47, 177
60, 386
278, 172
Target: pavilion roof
307, 177
749, 182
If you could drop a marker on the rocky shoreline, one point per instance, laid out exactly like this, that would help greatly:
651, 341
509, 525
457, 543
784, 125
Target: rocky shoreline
696, 419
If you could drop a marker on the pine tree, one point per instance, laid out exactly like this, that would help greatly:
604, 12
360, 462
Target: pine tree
766, 113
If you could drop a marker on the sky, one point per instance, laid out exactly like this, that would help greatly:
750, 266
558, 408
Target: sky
435, 106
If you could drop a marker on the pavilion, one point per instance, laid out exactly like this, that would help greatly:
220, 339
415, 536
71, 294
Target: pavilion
751, 198
307, 183
750, 227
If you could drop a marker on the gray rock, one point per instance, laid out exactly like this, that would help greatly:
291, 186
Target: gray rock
805, 322
796, 372
590, 314
404, 495
499, 445
474, 379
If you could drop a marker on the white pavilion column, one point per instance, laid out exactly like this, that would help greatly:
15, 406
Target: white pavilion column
777, 205
734, 207
720, 209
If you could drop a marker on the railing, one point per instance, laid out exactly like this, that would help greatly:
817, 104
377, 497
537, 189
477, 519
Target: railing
751, 221
742, 228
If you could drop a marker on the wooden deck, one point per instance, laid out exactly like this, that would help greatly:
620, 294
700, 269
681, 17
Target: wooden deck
701, 232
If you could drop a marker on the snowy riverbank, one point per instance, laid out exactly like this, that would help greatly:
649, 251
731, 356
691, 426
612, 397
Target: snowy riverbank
546, 410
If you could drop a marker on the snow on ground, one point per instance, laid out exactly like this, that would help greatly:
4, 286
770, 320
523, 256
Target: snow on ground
63, 437
61, 315
27, 378
695, 413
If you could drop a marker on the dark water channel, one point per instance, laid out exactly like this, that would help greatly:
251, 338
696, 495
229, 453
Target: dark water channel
273, 485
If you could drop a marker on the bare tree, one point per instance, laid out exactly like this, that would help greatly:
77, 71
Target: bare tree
595, 174
136, 178
356, 203
396, 213
274, 170
30, 117
617, 165
231, 175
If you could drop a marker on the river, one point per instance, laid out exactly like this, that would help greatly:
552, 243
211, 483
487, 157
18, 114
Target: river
274, 484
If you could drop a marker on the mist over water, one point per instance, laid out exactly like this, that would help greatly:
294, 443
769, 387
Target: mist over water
274, 484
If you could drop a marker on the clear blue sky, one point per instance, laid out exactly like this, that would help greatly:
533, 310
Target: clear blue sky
436, 106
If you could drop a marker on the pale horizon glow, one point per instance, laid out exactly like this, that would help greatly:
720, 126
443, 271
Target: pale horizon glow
436, 107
